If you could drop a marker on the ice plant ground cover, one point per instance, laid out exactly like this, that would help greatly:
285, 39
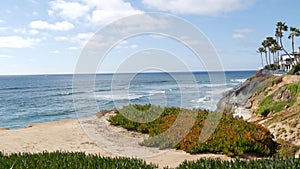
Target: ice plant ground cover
233, 137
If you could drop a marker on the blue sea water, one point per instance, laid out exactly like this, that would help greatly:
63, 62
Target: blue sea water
30, 99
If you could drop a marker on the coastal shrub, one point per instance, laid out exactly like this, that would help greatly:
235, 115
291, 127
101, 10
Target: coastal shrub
260, 74
286, 149
278, 163
294, 88
295, 70
268, 105
61, 160
232, 137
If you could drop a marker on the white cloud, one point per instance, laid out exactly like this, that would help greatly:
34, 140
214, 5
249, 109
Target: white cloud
3, 28
104, 16
68, 10
4, 56
190, 41
133, 46
16, 42
125, 46
238, 36
61, 38
201, 7
245, 30
85, 36
20, 30
240, 33
33, 32
123, 42
50, 12
1, 21
93, 12
58, 26
55, 52
109, 11
72, 48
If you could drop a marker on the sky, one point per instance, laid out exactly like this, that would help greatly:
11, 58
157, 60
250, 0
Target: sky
48, 37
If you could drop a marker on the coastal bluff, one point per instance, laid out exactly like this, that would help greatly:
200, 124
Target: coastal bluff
239, 96
272, 101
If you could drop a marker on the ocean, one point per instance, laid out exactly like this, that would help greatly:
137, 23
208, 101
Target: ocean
29, 99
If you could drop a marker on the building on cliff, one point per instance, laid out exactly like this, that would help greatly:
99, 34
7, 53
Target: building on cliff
286, 62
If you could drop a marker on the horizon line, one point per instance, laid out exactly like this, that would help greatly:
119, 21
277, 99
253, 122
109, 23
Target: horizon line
107, 73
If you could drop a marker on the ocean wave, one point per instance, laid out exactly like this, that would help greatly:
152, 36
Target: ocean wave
217, 91
119, 96
130, 96
238, 80
69, 93
212, 86
151, 93
17, 88
202, 99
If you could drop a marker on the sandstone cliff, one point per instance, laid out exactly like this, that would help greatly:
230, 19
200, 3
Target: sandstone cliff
272, 101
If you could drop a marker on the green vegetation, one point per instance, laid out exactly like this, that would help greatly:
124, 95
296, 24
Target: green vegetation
294, 88
61, 160
295, 70
287, 149
289, 163
269, 104
232, 137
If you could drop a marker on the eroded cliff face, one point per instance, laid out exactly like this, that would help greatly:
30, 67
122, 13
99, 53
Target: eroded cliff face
239, 97
261, 92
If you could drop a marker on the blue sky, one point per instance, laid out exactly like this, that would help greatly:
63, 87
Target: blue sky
46, 37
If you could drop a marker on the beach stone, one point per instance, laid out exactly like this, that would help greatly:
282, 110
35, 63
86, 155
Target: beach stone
248, 105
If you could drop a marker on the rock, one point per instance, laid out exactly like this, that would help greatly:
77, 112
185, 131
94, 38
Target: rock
285, 95
248, 105
243, 113
103, 112
297, 154
239, 96
4, 128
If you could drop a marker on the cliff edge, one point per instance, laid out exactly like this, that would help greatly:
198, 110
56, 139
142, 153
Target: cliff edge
270, 100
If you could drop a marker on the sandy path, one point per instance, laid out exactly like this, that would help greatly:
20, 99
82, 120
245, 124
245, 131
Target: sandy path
116, 140
68, 135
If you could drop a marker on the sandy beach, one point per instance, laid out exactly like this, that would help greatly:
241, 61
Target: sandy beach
92, 135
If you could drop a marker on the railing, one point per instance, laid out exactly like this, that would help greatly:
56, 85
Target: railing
282, 72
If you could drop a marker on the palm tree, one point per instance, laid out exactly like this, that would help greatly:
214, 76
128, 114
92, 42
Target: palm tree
264, 46
294, 33
278, 47
261, 50
274, 49
280, 28
267, 43
271, 42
